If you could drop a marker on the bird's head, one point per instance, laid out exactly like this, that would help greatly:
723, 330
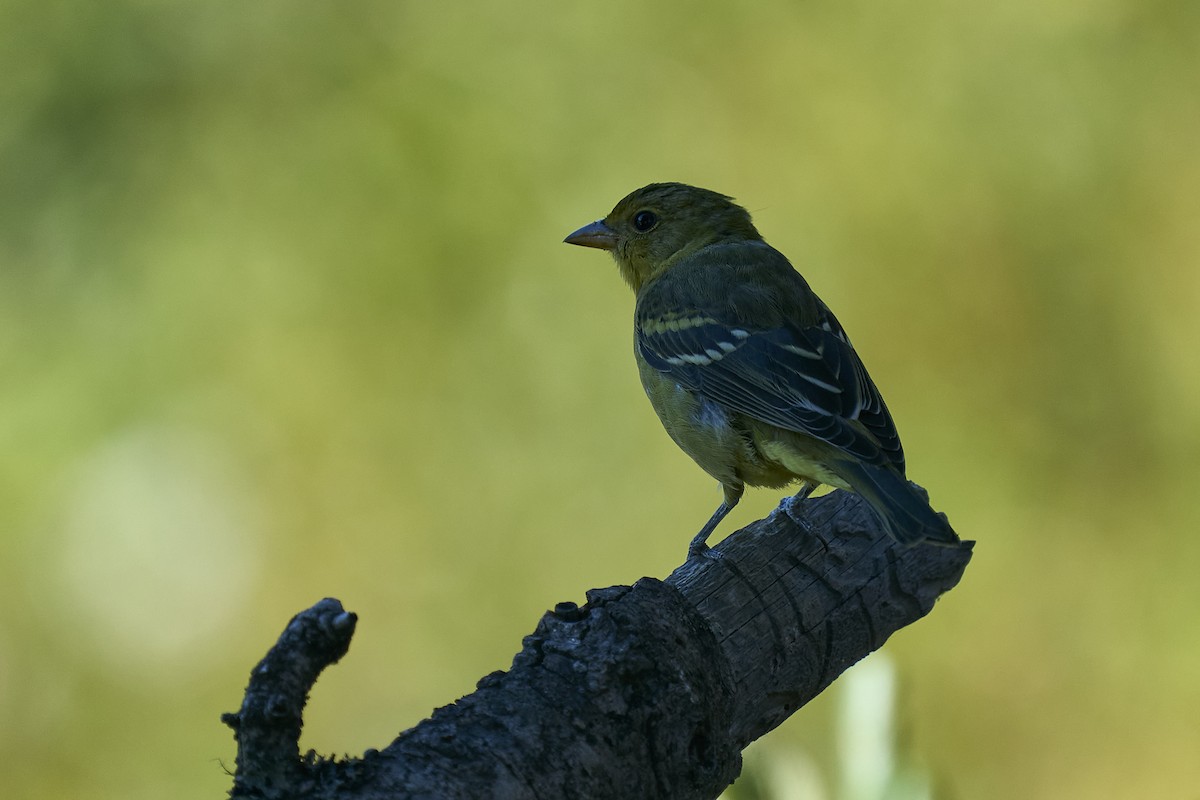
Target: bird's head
661, 223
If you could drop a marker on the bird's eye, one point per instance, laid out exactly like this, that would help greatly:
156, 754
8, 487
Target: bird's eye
644, 221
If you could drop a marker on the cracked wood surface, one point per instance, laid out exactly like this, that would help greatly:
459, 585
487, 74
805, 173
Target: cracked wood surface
646, 691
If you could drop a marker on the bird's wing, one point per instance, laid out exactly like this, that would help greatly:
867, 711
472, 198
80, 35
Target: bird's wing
801, 377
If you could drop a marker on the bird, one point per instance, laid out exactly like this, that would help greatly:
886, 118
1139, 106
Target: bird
749, 371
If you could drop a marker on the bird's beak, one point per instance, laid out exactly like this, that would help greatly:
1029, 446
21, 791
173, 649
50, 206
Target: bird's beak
595, 235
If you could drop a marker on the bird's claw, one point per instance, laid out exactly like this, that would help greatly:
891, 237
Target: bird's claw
704, 551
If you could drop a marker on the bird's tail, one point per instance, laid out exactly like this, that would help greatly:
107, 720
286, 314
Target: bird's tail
905, 514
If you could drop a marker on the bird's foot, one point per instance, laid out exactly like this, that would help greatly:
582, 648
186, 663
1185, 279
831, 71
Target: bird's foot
699, 547
702, 550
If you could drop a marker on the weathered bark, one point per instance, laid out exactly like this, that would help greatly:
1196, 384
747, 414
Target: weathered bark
649, 691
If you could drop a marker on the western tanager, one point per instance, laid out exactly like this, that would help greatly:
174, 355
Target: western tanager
750, 373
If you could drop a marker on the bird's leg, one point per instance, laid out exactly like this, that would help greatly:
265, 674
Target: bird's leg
699, 545
807, 487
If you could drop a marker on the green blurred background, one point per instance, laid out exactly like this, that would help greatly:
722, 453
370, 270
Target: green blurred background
285, 313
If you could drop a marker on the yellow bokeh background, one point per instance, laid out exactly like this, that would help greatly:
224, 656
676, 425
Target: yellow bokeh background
285, 314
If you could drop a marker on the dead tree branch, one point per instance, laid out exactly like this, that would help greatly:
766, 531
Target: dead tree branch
648, 691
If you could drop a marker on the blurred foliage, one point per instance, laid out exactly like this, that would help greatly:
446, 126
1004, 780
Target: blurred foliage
868, 764
285, 313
